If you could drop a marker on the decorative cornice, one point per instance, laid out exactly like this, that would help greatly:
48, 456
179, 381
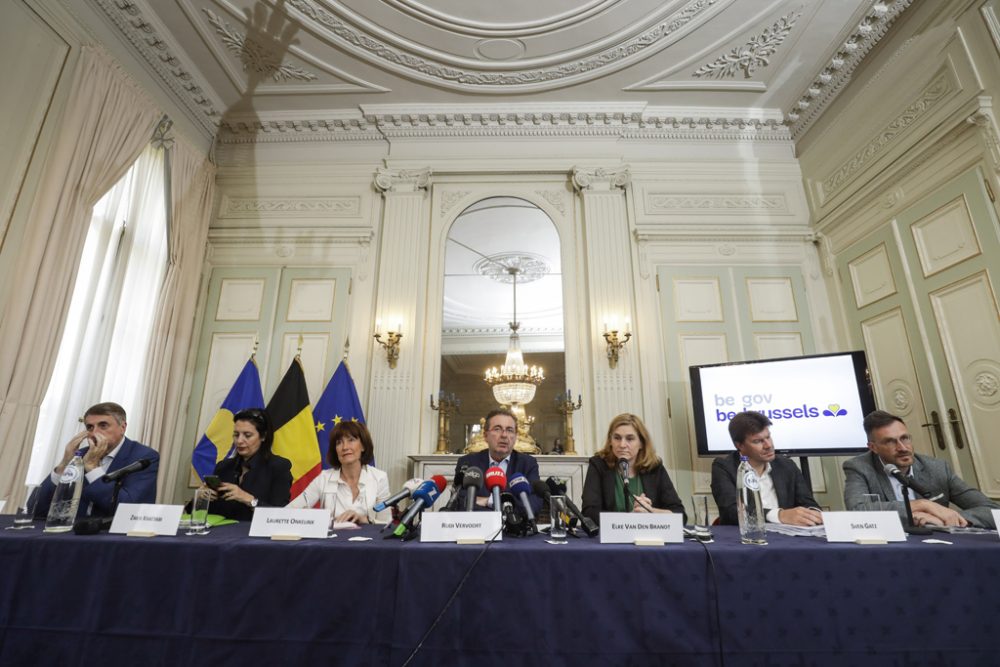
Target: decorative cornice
515, 122
402, 180
355, 235
450, 197
554, 197
932, 94
755, 53
143, 36
984, 119
255, 57
667, 204
454, 75
290, 207
601, 179
838, 70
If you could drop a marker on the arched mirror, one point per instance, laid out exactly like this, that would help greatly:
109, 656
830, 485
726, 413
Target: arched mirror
502, 261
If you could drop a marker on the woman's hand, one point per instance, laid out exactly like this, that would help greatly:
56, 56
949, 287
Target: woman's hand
206, 490
644, 504
229, 491
352, 516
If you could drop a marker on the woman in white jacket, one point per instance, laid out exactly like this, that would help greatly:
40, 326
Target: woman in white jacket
351, 487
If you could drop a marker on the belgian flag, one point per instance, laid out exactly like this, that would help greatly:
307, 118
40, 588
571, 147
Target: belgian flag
294, 432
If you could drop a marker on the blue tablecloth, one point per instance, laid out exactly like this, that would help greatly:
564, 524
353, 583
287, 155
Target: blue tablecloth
226, 599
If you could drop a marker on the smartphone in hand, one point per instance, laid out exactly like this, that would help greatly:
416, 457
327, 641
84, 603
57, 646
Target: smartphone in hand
213, 482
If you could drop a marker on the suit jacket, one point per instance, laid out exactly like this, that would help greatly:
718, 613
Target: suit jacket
519, 463
269, 480
599, 490
863, 474
138, 487
373, 487
789, 485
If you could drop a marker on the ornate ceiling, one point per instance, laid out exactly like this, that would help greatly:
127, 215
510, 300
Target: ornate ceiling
361, 66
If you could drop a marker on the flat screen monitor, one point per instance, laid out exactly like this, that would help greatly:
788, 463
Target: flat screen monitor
816, 403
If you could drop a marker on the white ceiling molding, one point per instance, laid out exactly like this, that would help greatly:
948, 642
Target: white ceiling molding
837, 72
541, 24
515, 121
151, 41
755, 53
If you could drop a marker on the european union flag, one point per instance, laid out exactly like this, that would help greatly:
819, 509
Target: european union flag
218, 439
339, 402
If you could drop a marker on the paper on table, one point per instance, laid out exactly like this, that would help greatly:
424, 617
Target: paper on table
344, 525
797, 531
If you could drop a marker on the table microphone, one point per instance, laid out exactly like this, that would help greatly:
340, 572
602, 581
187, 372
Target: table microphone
408, 488
909, 482
496, 481
588, 524
472, 482
423, 496
519, 485
135, 466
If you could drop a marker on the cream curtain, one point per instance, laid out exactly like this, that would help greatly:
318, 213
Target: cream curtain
192, 195
107, 122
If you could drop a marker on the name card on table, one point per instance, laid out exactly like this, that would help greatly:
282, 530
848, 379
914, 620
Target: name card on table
289, 523
641, 528
996, 519
461, 527
863, 527
146, 519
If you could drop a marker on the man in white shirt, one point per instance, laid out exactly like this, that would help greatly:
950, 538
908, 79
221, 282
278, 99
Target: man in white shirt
106, 449
784, 493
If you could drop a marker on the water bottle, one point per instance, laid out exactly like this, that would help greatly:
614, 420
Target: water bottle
66, 499
748, 506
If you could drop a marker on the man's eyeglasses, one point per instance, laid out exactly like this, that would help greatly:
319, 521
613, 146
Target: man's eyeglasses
500, 430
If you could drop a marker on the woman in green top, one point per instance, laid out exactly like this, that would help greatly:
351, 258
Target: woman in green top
628, 458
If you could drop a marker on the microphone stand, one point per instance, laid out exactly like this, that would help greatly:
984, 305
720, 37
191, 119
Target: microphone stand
912, 528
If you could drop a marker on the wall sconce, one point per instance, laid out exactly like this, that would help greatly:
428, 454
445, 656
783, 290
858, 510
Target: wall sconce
616, 340
391, 342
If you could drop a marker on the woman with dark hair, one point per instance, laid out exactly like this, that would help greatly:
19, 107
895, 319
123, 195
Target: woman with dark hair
351, 487
649, 485
253, 476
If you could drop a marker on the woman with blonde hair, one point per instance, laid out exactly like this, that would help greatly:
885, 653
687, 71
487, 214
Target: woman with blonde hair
628, 458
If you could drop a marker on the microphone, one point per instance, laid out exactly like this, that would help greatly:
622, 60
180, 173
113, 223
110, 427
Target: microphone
455, 486
423, 496
623, 469
393, 500
909, 482
472, 482
589, 526
135, 466
496, 481
519, 485
513, 520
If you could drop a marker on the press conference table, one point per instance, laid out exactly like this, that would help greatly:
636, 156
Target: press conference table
226, 598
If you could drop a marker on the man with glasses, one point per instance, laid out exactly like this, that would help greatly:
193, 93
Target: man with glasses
501, 434
889, 441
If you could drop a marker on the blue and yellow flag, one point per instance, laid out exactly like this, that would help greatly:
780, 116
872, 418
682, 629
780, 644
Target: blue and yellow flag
292, 419
338, 403
218, 439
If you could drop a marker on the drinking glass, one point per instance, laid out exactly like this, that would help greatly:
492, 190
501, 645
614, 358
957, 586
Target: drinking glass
871, 502
24, 517
199, 513
558, 513
699, 514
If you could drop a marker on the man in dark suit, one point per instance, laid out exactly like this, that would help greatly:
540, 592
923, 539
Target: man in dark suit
107, 450
501, 434
889, 442
783, 490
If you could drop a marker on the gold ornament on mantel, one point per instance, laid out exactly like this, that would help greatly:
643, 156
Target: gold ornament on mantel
525, 443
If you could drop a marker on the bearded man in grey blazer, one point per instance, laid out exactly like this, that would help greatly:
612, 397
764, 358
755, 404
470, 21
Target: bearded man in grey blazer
889, 442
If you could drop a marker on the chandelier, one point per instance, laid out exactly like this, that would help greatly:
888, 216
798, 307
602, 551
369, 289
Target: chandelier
514, 383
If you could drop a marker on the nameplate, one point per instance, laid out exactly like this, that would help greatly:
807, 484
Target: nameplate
996, 519
289, 522
863, 527
143, 519
641, 528
3, 503
464, 527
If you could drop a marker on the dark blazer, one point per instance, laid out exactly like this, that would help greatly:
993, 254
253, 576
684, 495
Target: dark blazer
519, 463
599, 490
863, 474
789, 485
269, 480
139, 487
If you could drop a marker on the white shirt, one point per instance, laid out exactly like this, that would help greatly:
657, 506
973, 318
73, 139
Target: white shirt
334, 493
897, 487
768, 496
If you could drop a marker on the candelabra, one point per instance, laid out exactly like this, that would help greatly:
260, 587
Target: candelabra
566, 407
448, 404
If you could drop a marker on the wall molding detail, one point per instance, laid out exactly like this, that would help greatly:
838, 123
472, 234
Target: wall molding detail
601, 179
733, 203
290, 207
755, 53
402, 180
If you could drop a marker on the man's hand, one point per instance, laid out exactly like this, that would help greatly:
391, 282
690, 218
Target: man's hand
98, 449
70, 450
943, 516
483, 501
800, 516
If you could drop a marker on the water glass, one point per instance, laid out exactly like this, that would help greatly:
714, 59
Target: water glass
24, 516
199, 512
871, 502
699, 514
558, 513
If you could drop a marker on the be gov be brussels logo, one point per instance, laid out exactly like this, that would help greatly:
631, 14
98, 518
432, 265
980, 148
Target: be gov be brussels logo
760, 403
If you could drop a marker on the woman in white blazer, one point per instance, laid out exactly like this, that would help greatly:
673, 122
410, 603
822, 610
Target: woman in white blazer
351, 487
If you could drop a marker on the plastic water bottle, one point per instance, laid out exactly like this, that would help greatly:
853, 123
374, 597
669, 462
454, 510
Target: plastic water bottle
748, 506
66, 499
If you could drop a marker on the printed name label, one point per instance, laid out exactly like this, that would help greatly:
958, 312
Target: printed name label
293, 522
455, 526
146, 518
854, 526
627, 527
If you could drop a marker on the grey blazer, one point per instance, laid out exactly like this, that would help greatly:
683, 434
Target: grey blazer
863, 474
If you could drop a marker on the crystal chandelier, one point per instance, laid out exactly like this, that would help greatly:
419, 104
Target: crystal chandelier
514, 383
